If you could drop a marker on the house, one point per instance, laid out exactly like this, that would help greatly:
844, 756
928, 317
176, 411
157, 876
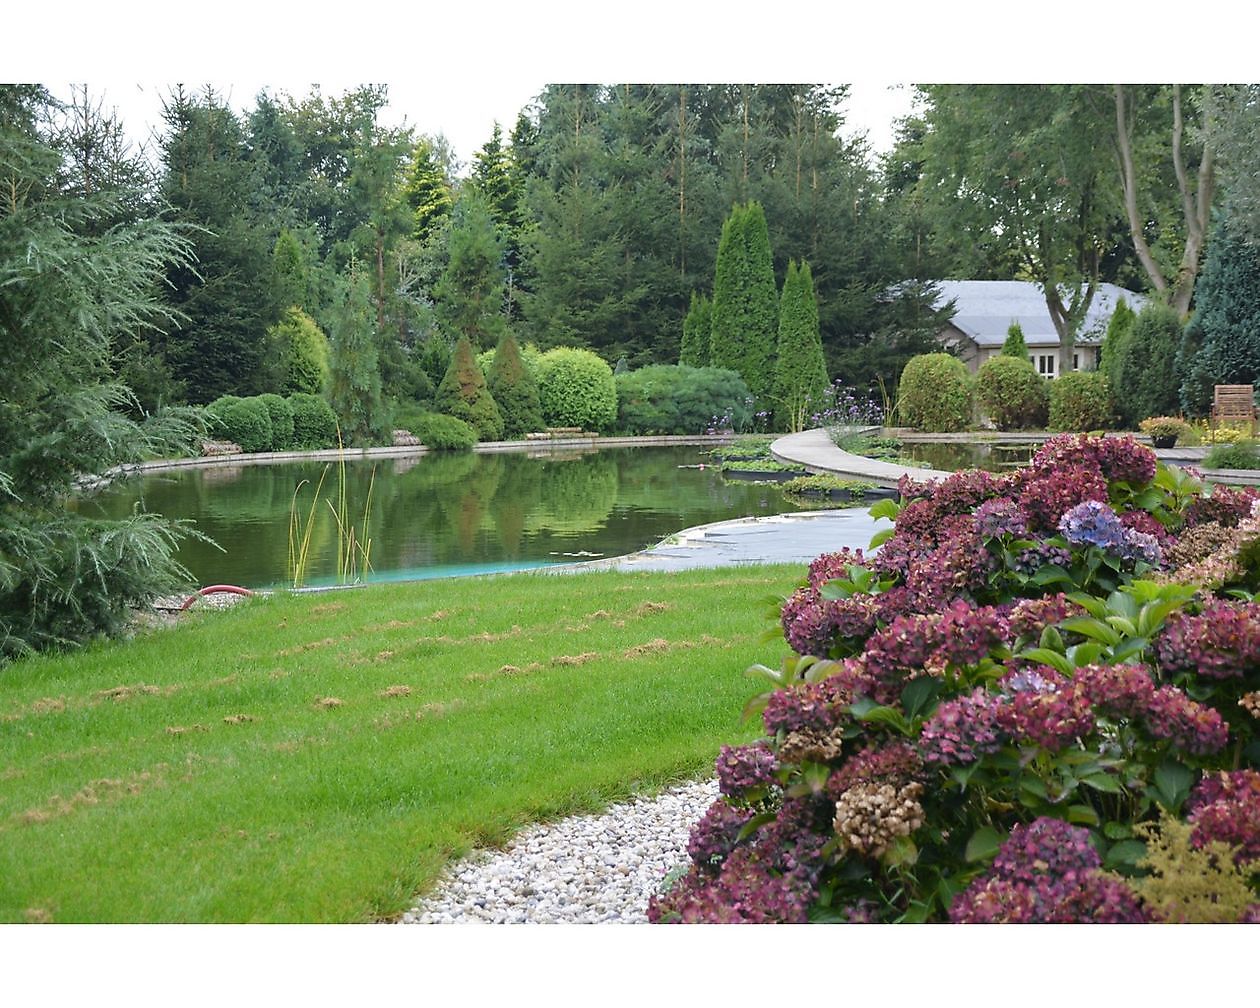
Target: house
986, 309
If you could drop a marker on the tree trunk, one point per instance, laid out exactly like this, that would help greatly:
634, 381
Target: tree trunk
1196, 205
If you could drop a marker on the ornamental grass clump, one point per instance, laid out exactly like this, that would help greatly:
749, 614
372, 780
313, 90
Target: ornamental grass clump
986, 716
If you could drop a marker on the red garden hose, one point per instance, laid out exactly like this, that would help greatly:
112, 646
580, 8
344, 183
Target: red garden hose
214, 590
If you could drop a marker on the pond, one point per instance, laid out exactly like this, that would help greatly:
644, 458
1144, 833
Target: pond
440, 514
994, 456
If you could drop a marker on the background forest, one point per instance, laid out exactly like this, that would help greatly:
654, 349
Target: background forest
322, 239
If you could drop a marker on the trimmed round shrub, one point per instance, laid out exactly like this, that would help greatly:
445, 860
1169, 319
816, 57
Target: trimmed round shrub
678, 399
1012, 393
576, 388
244, 421
935, 393
1080, 401
314, 423
441, 432
280, 414
215, 425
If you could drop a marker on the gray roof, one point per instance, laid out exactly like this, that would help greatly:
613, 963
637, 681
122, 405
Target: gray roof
986, 309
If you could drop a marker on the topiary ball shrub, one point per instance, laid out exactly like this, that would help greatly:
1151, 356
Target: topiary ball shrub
677, 399
314, 422
1012, 393
935, 393
983, 721
244, 421
1081, 401
576, 389
441, 432
280, 413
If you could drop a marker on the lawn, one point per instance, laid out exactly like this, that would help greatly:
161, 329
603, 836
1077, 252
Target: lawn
322, 757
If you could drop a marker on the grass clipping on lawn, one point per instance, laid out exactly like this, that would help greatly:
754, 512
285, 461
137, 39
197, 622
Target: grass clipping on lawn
322, 757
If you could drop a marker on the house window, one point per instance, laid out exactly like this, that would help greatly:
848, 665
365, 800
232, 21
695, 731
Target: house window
1045, 364
1076, 362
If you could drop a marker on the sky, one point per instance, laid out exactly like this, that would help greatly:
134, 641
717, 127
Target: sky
465, 116
455, 68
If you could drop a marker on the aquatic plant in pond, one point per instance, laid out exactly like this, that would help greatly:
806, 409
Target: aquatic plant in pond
982, 719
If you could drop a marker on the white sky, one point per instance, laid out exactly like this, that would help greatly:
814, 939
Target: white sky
457, 68
466, 118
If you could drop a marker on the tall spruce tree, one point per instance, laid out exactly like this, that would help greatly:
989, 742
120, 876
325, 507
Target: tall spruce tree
697, 332
514, 390
470, 293
426, 191
745, 302
800, 372
225, 302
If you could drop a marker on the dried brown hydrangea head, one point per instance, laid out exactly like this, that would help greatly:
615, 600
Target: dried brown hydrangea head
870, 816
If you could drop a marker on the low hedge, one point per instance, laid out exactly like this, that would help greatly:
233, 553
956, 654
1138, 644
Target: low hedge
439, 431
679, 399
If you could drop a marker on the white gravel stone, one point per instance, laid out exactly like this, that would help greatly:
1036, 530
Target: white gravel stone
583, 870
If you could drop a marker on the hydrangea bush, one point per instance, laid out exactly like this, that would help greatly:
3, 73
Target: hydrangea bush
985, 716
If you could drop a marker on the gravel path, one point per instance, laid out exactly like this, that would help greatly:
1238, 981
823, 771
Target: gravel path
583, 870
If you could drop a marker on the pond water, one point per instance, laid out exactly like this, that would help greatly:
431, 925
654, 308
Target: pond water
440, 514
995, 456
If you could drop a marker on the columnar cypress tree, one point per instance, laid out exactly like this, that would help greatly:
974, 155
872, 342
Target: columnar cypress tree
354, 386
745, 301
290, 277
514, 390
1015, 345
697, 329
1118, 331
1146, 383
800, 372
463, 393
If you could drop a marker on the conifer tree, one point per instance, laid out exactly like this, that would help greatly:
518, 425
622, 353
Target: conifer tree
70, 288
697, 329
745, 301
1118, 330
1223, 336
426, 191
463, 393
1146, 383
800, 372
470, 292
514, 390
354, 385
1015, 345
290, 277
